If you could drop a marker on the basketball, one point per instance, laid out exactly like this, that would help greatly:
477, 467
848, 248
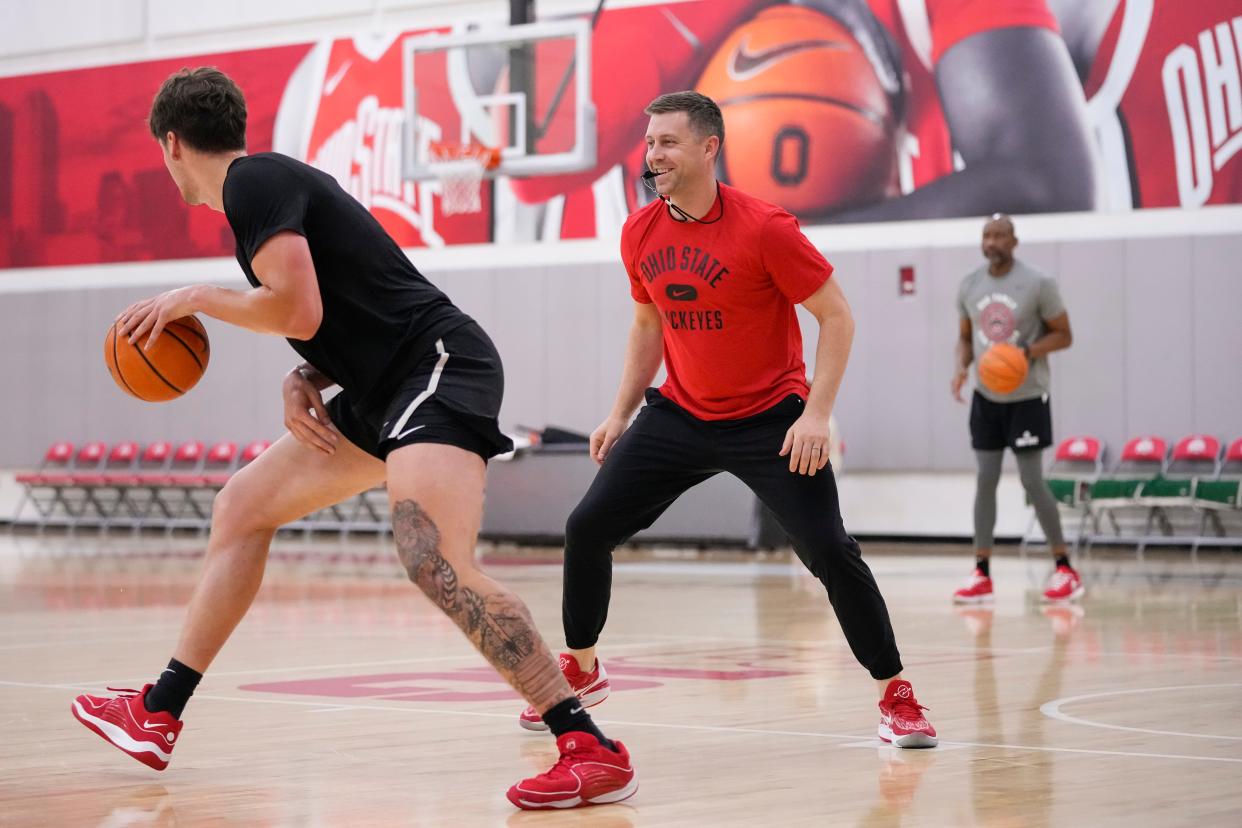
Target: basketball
808, 124
168, 370
1002, 368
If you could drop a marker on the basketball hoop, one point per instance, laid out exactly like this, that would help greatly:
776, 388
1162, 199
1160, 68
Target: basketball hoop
460, 169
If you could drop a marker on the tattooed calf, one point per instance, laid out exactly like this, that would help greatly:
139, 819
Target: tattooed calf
497, 624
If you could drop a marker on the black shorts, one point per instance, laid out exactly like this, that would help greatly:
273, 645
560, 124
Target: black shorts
1025, 425
451, 397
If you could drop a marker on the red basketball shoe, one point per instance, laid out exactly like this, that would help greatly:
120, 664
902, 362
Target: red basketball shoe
586, 774
977, 591
591, 688
1064, 585
125, 722
901, 718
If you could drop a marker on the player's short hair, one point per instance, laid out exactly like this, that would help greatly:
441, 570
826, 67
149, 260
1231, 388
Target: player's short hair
704, 114
203, 107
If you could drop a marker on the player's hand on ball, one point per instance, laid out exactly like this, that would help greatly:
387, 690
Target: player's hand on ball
305, 415
603, 437
806, 444
149, 316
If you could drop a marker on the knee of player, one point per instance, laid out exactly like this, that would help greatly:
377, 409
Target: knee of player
582, 528
236, 512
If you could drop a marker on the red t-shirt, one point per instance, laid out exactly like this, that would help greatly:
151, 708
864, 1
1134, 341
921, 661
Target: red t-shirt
1163, 97
726, 291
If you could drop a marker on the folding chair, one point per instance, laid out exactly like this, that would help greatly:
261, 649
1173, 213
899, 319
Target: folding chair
136, 488
102, 488
1114, 496
75, 491
1220, 502
1170, 497
42, 488
218, 466
1077, 463
169, 488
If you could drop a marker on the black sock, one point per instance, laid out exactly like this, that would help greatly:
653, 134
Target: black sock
172, 689
981, 564
1062, 560
568, 716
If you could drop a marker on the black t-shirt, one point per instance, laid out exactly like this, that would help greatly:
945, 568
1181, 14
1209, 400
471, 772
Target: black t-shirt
379, 313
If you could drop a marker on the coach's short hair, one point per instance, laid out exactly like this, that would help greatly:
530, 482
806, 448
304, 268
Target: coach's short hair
704, 115
203, 107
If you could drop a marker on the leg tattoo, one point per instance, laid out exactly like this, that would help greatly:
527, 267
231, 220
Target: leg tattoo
497, 623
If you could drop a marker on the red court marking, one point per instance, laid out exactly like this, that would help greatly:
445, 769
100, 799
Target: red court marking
434, 686
440, 686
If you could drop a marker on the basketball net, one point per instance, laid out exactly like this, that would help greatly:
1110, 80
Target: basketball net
460, 169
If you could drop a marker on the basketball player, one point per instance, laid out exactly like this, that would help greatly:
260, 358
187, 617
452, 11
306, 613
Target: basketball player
1009, 301
421, 388
715, 275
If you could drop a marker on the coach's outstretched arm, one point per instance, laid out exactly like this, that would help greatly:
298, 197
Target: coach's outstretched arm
287, 304
806, 442
1017, 116
643, 354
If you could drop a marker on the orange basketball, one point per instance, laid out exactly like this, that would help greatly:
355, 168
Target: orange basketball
168, 370
808, 124
1002, 368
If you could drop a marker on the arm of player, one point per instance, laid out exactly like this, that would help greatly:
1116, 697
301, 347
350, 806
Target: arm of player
287, 303
1058, 338
806, 442
964, 355
1018, 118
643, 354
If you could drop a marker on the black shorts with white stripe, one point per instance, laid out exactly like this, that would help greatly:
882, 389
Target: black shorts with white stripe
451, 397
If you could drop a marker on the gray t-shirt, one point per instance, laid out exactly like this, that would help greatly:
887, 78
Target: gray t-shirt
1010, 308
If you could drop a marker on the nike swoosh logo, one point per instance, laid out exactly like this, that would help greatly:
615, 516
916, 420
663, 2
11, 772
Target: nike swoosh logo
745, 64
574, 711
330, 85
681, 293
410, 431
149, 725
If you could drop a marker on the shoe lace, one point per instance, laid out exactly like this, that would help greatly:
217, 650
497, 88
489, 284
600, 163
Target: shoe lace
908, 709
562, 765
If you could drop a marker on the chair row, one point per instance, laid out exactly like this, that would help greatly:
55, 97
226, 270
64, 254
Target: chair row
128, 484
1188, 493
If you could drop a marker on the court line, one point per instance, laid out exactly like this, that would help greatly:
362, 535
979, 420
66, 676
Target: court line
80, 641
1052, 710
322, 706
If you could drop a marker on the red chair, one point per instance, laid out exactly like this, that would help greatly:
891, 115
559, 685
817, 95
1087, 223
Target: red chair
1077, 463
74, 493
1196, 455
217, 467
136, 487
1220, 502
170, 487
1115, 495
1170, 498
253, 450
42, 488
102, 493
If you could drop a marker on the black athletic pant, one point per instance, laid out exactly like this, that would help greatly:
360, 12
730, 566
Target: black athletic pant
664, 453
